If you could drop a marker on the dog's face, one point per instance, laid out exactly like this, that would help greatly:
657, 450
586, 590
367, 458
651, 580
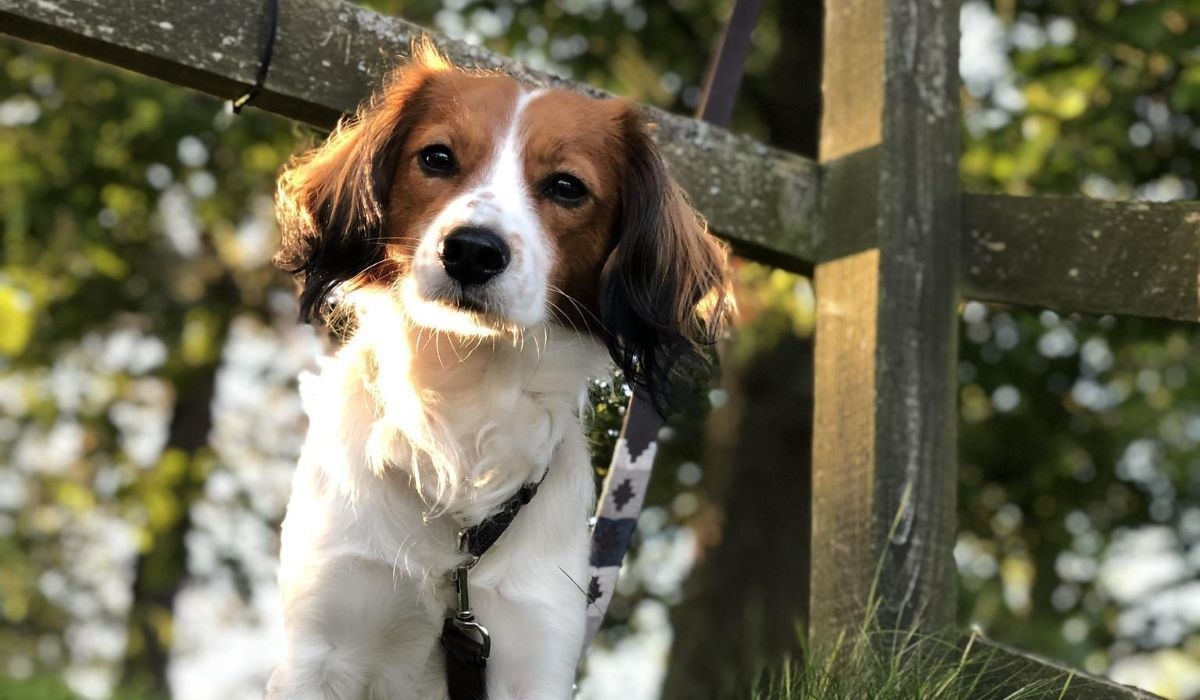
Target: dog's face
506, 201
487, 206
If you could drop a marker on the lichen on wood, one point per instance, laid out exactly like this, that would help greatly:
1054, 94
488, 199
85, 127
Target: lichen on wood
330, 54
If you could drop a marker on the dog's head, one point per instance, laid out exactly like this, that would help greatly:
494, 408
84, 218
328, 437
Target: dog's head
488, 206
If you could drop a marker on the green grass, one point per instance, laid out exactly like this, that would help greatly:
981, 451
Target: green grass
878, 664
893, 666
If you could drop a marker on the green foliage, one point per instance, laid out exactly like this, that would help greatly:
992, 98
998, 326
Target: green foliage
48, 688
1076, 451
37, 689
136, 228
1100, 100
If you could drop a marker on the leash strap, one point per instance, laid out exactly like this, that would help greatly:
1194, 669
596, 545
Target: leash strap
620, 502
466, 666
467, 643
264, 63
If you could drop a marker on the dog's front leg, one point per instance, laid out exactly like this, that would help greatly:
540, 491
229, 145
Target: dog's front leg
356, 629
535, 641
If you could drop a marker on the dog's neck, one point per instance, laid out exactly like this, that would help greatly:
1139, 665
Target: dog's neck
467, 419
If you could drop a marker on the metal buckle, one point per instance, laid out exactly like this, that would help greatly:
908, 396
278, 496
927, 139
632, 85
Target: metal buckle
472, 560
464, 618
469, 626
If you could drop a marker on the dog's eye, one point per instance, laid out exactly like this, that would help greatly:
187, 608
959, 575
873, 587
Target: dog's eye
437, 160
565, 189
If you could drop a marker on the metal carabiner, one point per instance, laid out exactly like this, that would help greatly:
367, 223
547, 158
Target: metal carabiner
484, 639
464, 617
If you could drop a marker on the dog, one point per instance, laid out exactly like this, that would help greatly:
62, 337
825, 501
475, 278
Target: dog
487, 248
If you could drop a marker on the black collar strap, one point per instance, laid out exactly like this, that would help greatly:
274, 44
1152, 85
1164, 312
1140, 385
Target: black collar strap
475, 541
467, 643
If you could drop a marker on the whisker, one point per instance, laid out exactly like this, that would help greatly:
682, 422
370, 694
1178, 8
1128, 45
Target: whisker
373, 265
478, 343
558, 314
579, 305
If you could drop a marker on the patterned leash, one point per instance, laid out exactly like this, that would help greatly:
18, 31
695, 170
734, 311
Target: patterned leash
633, 459
620, 503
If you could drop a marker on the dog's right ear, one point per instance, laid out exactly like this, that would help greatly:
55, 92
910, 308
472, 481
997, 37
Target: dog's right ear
332, 203
664, 290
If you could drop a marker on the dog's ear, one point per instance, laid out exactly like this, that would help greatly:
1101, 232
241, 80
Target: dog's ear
331, 202
664, 289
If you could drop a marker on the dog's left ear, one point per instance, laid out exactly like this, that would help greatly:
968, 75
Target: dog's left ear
332, 201
664, 290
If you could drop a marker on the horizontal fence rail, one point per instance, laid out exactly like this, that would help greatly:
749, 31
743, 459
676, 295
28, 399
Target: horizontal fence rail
329, 54
1067, 254
1000, 671
1074, 254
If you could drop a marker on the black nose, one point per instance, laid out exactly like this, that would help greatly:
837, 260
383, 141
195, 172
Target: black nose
473, 255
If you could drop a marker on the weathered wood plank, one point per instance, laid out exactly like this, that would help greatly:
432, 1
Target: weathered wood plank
847, 292
916, 436
329, 54
843, 446
884, 465
850, 194
997, 671
1070, 254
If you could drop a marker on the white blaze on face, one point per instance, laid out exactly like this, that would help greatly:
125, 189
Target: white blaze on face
500, 201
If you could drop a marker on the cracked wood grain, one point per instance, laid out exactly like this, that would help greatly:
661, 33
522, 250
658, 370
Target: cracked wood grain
329, 54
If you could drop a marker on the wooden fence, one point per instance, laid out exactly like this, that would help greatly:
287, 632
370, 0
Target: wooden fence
880, 223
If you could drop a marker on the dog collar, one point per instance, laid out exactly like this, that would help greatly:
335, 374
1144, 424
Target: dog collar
466, 642
474, 541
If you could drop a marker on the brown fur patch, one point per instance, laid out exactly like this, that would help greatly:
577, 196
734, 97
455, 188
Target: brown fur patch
563, 132
331, 201
469, 115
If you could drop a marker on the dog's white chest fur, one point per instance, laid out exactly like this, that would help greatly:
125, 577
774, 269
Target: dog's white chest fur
413, 436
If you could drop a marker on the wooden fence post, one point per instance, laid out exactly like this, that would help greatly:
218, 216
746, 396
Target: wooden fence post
884, 460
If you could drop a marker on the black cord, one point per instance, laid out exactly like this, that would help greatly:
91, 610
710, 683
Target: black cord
265, 64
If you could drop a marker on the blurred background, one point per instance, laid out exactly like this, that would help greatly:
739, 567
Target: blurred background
149, 421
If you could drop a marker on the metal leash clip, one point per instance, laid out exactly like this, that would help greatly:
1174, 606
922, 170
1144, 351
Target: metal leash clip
464, 618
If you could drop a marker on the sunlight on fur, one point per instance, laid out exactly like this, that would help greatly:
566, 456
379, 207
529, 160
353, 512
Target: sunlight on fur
482, 249
445, 318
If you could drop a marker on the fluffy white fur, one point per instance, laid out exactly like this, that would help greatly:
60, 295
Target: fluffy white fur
432, 415
414, 433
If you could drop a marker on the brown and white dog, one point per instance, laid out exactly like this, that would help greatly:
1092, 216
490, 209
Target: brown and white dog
493, 246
